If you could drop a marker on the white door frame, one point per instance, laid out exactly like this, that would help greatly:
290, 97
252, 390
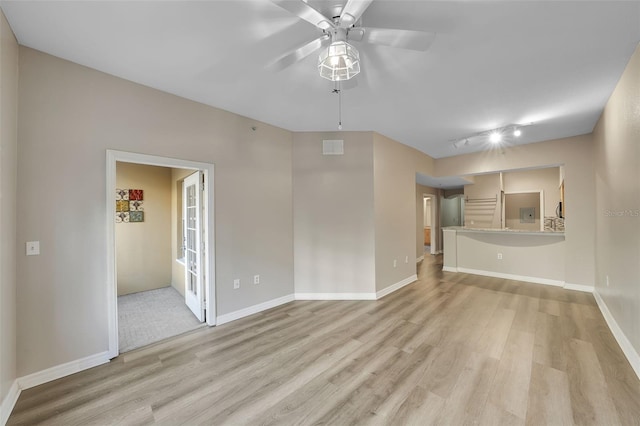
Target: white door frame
207, 169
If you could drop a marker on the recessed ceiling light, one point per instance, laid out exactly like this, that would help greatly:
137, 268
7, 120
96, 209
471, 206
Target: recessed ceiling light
495, 137
517, 132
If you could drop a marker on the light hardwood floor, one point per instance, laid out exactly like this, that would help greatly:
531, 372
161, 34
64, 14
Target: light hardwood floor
449, 349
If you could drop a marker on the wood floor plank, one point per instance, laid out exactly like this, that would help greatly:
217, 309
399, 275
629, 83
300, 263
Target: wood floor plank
526, 314
448, 349
549, 398
618, 373
549, 348
494, 337
493, 415
466, 403
442, 375
418, 363
510, 390
421, 407
549, 306
591, 401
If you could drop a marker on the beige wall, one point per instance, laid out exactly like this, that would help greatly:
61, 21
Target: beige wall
177, 267
395, 166
68, 116
435, 228
539, 256
333, 214
577, 155
8, 173
617, 185
512, 205
482, 205
354, 214
143, 249
547, 180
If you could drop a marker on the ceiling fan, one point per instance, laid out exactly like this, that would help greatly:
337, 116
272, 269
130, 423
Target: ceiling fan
340, 60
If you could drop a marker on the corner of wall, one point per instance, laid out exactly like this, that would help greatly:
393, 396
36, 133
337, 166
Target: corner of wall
9, 402
8, 215
627, 347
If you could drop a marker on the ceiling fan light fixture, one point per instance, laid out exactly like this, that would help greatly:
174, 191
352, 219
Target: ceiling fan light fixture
338, 62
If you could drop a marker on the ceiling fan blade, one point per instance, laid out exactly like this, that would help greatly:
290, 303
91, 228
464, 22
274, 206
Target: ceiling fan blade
405, 39
352, 11
299, 53
306, 12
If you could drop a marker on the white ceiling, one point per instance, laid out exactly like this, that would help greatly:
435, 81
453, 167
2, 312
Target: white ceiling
447, 182
491, 64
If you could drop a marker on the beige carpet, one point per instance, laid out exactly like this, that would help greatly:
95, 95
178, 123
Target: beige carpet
151, 316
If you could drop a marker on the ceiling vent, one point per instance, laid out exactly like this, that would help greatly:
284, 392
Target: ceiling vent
332, 147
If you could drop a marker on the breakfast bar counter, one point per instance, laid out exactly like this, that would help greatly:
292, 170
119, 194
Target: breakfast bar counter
533, 256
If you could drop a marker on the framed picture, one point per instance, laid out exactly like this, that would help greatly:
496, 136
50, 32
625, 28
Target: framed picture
129, 205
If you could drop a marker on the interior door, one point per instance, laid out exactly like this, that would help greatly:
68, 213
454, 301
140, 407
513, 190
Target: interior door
192, 204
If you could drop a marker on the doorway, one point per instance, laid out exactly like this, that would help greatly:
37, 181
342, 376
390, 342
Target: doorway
430, 223
201, 295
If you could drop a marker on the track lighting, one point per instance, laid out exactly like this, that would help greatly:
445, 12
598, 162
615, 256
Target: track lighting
495, 136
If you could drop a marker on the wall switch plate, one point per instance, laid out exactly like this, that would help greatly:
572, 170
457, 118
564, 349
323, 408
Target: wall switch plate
256, 279
499, 256
33, 248
406, 259
607, 280
236, 283
395, 263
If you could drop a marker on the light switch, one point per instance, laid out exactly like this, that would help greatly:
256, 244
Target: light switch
33, 248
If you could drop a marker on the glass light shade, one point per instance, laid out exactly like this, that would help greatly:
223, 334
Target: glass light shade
340, 61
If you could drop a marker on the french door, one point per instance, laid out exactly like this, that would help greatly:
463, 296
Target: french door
194, 254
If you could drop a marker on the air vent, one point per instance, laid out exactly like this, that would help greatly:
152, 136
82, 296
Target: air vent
332, 147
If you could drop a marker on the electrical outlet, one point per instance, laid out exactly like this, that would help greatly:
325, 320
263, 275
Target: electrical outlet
236, 283
395, 263
499, 256
256, 279
33, 248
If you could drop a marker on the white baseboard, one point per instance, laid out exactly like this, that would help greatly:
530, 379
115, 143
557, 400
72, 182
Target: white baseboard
357, 296
397, 286
232, 316
449, 269
627, 348
335, 296
62, 370
9, 402
420, 259
579, 287
535, 280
